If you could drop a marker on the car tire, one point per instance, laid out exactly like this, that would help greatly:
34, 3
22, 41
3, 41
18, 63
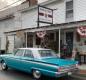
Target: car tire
4, 65
36, 74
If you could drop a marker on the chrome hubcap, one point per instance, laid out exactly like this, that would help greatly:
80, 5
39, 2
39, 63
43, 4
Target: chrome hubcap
3, 65
37, 74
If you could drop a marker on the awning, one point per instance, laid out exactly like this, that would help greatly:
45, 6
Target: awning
67, 25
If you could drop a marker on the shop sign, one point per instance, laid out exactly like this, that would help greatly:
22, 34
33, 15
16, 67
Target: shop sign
41, 34
82, 31
45, 14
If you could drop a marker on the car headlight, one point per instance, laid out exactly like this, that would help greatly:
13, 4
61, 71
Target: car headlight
60, 69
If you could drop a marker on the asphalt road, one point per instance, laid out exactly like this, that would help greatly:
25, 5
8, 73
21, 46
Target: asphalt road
12, 74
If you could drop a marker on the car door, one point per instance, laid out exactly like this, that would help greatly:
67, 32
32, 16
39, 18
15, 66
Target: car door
27, 60
15, 60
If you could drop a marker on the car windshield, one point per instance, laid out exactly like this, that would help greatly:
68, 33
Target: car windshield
47, 53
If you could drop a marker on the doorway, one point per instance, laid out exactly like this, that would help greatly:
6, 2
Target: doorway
69, 42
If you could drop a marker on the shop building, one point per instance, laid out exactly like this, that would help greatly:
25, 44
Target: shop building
20, 28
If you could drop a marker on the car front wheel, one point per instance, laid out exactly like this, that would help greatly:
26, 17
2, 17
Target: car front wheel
36, 74
3, 65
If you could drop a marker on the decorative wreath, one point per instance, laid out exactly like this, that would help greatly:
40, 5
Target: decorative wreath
82, 31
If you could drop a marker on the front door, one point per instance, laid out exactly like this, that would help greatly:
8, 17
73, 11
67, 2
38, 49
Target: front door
69, 41
29, 40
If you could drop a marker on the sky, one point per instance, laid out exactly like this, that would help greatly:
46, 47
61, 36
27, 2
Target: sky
5, 3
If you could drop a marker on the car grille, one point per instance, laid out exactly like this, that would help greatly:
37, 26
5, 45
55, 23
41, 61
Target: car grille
69, 68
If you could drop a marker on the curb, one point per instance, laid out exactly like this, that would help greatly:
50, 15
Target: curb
82, 72
78, 77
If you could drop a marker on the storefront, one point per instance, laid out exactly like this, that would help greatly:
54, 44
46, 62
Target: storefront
56, 36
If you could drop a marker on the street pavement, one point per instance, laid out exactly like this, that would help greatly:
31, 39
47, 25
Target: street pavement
12, 74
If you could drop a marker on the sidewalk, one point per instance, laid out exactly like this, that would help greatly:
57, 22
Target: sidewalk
82, 69
81, 75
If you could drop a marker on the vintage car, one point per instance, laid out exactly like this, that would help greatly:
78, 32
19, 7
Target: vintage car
38, 61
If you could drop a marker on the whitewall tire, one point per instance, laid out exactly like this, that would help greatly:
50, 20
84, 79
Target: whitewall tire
3, 65
36, 74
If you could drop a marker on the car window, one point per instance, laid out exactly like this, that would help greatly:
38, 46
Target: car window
28, 53
19, 52
47, 53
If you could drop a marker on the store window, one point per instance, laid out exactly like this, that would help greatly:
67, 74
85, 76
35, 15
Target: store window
51, 36
29, 40
28, 53
38, 40
19, 52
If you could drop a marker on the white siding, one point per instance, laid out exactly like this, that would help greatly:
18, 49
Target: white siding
3, 41
7, 25
79, 10
59, 13
29, 19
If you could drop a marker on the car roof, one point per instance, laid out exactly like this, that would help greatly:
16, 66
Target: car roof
34, 48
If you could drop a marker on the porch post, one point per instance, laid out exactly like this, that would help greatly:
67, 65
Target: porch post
59, 42
14, 42
26, 39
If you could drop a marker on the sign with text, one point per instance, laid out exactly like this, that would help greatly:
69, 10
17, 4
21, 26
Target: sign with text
45, 15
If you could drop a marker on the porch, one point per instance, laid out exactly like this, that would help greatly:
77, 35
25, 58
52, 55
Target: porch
57, 36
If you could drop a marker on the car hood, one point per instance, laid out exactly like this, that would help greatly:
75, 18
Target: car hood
59, 62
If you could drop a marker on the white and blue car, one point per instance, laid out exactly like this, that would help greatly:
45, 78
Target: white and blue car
38, 61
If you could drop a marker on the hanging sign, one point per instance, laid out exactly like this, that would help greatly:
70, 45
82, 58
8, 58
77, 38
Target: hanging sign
41, 34
82, 31
45, 15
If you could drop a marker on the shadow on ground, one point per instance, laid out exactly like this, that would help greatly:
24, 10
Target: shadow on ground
18, 75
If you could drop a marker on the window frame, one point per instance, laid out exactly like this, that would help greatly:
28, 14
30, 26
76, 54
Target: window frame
40, 52
18, 50
68, 10
32, 56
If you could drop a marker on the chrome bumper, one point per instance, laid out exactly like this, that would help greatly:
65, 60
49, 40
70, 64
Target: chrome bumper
67, 72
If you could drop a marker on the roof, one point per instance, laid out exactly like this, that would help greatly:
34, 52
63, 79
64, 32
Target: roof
22, 8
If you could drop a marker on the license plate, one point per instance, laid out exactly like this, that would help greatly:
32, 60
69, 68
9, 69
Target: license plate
69, 73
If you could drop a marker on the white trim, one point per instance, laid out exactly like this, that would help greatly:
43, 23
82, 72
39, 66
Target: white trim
59, 41
26, 39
